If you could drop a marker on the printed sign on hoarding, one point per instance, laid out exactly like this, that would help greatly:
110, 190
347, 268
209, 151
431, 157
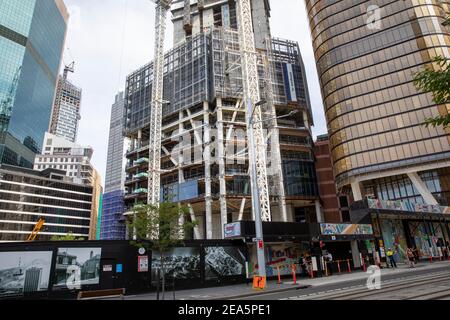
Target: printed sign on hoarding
233, 230
331, 229
143, 264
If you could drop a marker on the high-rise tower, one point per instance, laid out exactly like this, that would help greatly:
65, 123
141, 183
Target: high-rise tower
113, 226
32, 36
204, 157
66, 108
367, 53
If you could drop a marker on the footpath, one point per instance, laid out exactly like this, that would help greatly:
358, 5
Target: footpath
245, 290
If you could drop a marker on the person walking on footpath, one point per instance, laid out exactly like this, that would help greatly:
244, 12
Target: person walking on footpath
390, 254
411, 257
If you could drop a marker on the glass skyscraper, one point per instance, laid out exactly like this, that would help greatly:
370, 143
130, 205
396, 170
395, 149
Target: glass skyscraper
367, 54
113, 225
32, 36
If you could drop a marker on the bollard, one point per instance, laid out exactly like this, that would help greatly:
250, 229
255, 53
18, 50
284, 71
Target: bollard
348, 264
279, 275
431, 258
339, 266
364, 265
294, 274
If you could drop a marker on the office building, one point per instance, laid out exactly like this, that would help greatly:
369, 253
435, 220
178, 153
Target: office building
203, 83
381, 150
32, 36
27, 195
62, 154
335, 206
113, 224
66, 109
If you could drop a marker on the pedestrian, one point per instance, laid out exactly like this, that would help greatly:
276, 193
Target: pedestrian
416, 255
390, 255
411, 258
302, 263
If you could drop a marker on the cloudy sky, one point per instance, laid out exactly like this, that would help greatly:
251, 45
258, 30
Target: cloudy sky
108, 39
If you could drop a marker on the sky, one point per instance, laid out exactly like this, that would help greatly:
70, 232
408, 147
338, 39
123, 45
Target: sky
108, 39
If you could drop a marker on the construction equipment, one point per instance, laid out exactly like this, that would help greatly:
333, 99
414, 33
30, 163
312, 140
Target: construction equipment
252, 96
69, 68
162, 8
36, 230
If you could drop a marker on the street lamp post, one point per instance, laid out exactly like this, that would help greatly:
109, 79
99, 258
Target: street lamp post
255, 193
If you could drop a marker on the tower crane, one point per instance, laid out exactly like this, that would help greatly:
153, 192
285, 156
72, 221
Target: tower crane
162, 8
251, 97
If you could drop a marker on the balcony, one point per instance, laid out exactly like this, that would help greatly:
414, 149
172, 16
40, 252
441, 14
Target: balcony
140, 191
140, 176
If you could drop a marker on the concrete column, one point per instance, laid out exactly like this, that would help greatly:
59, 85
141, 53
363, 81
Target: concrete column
422, 188
207, 158
221, 155
140, 139
356, 189
197, 235
319, 212
355, 254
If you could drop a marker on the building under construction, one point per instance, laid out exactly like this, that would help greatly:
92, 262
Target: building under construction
204, 161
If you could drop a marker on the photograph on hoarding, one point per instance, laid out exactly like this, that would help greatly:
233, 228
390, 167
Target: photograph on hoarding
77, 267
224, 262
179, 263
24, 272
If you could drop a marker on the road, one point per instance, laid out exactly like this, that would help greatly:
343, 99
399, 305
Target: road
420, 284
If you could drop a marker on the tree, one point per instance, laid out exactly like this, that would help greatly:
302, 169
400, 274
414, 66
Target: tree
159, 228
437, 81
68, 237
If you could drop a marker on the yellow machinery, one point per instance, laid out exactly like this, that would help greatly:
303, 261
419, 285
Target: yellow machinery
36, 230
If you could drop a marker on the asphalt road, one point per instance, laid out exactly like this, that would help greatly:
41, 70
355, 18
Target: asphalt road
343, 288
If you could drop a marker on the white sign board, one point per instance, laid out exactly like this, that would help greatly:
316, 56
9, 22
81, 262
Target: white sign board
107, 268
233, 230
143, 264
314, 264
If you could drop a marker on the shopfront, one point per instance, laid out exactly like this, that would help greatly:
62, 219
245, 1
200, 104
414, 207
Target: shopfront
399, 226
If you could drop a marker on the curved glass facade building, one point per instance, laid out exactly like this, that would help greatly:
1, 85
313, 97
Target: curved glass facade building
367, 53
32, 36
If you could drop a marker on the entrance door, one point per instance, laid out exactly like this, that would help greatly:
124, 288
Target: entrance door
108, 274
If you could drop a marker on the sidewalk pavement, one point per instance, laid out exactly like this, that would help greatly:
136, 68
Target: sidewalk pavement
243, 290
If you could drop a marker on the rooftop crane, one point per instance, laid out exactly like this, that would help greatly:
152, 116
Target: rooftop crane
36, 230
162, 8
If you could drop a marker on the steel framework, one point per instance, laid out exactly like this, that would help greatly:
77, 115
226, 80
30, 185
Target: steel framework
252, 96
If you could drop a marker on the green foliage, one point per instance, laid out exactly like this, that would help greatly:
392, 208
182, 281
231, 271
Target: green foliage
158, 227
68, 237
438, 83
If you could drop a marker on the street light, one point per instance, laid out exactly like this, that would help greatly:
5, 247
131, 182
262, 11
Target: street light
255, 190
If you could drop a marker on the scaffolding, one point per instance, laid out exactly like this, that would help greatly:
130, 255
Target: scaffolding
203, 82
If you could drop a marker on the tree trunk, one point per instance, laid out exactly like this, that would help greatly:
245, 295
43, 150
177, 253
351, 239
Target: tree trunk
163, 275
